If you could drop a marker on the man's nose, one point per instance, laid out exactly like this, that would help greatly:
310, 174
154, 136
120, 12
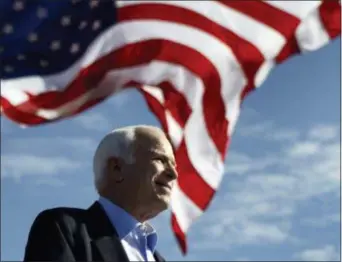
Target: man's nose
172, 172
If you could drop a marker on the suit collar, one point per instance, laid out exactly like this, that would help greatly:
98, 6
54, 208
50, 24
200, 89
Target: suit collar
104, 235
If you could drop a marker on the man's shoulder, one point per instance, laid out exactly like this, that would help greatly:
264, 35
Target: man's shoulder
61, 216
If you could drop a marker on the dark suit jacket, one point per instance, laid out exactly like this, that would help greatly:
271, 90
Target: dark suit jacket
71, 234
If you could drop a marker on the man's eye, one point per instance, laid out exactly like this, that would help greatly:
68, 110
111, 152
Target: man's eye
159, 159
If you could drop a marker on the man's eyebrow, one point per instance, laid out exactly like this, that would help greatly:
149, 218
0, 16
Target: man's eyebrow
158, 153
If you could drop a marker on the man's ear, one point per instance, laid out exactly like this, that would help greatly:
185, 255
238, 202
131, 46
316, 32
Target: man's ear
114, 168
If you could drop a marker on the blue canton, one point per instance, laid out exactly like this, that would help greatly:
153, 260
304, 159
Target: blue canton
43, 37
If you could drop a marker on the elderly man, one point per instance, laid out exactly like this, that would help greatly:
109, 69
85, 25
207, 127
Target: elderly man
134, 171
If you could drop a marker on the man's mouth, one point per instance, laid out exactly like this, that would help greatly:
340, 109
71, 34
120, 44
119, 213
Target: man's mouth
164, 185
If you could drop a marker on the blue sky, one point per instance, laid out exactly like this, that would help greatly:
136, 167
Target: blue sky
280, 197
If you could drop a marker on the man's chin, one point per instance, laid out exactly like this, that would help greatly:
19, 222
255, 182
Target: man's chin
164, 202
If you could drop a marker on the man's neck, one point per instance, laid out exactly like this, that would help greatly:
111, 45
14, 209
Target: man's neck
132, 209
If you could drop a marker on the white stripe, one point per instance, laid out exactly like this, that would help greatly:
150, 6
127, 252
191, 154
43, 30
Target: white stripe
174, 129
263, 72
153, 91
300, 9
184, 209
14, 96
311, 34
233, 114
265, 38
74, 105
202, 152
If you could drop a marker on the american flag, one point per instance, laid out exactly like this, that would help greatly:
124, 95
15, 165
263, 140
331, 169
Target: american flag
194, 62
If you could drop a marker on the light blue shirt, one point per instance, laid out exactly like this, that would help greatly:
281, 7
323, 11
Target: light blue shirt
141, 237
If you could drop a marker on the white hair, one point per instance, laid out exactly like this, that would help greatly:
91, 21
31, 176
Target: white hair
118, 143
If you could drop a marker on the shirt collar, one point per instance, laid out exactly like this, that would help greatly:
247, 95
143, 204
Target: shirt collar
125, 223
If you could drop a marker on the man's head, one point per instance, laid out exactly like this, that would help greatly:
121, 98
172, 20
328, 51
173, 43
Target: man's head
135, 168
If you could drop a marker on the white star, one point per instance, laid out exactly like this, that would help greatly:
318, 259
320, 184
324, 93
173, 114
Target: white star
32, 37
18, 5
8, 69
44, 63
42, 12
93, 3
82, 25
96, 25
21, 57
55, 45
65, 21
7, 29
75, 47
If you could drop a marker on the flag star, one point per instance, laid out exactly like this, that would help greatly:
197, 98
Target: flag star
32, 37
93, 3
75, 47
8, 69
42, 12
18, 5
21, 57
7, 29
44, 63
65, 21
82, 25
55, 45
96, 25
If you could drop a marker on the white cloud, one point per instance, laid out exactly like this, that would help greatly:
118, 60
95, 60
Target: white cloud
283, 135
122, 97
242, 259
238, 163
93, 121
303, 149
19, 165
326, 253
323, 132
321, 221
255, 129
44, 159
50, 181
259, 205
266, 130
51, 144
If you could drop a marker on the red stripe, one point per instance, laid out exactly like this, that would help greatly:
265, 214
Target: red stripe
246, 53
330, 13
179, 234
176, 103
275, 18
189, 181
157, 109
291, 48
18, 116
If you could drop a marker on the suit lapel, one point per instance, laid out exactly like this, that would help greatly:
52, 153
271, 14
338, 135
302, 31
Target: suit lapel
158, 257
110, 249
104, 236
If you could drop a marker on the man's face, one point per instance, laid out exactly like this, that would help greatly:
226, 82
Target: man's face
153, 174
